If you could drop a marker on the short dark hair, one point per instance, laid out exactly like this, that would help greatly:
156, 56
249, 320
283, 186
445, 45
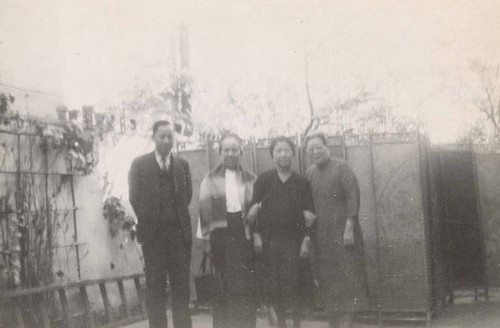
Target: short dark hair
317, 135
159, 123
230, 135
277, 140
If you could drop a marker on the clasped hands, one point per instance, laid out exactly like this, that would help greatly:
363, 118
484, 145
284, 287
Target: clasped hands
309, 218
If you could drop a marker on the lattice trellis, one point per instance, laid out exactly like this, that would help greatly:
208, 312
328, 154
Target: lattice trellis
38, 231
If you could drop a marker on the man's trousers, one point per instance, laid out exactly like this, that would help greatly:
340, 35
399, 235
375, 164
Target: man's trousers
167, 254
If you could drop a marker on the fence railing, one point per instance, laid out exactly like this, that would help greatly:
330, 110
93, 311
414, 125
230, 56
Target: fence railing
14, 304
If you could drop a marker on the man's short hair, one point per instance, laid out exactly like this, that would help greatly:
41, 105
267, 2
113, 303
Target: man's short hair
317, 135
276, 140
159, 123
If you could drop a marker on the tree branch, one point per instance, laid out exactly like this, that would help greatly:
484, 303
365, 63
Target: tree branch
308, 93
491, 113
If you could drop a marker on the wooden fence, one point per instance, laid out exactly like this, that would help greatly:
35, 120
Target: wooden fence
38, 307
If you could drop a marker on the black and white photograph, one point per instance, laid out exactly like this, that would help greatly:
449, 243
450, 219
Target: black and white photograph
249, 164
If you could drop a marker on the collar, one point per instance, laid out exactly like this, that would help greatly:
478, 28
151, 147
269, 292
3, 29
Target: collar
221, 169
167, 159
277, 176
324, 163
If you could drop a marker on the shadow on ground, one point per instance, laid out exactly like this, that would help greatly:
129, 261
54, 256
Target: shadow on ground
467, 314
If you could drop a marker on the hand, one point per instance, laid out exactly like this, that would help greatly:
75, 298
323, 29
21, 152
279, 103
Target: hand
252, 214
304, 248
257, 243
310, 218
349, 234
207, 248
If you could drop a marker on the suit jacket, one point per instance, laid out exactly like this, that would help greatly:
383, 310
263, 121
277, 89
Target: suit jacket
144, 195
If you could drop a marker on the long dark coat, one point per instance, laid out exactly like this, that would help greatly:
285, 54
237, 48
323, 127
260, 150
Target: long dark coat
340, 271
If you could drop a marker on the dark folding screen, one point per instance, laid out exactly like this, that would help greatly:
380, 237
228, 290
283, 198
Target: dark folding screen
397, 190
461, 234
488, 172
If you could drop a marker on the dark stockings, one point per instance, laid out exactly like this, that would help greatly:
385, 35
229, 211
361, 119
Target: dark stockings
280, 305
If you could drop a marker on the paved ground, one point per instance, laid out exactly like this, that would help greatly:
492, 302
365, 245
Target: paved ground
466, 314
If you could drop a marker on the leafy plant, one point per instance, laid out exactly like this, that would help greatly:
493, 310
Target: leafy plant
78, 143
114, 212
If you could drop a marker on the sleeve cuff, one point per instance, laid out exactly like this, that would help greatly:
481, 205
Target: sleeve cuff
199, 234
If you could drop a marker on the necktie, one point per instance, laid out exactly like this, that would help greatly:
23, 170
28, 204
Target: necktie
164, 164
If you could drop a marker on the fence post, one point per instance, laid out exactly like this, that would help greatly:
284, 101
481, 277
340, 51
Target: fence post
123, 296
65, 307
377, 246
140, 293
75, 225
44, 311
208, 150
424, 189
254, 157
89, 316
107, 304
47, 205
480, 223
344, 148
19, 195
16, 303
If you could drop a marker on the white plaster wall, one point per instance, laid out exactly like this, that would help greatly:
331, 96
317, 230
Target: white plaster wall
102, 255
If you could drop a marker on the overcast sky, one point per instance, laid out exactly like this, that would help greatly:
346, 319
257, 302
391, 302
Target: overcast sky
415, 54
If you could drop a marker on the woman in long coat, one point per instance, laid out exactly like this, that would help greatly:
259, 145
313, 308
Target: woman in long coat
338, 240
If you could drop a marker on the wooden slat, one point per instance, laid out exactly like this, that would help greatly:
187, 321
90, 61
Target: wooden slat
65, 307
2, 312
31, 306
140, 294
13, 297
16, 304
44, 312
123, 296
71, 285
89, 316
107, 305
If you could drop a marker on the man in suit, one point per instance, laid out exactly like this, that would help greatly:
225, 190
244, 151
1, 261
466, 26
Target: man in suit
160, 191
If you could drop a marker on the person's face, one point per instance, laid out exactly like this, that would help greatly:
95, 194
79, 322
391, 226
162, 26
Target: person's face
230, 153
282, 155
317, 151
164, 139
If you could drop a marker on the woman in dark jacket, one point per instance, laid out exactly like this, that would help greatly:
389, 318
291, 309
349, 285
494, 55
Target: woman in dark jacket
280, 199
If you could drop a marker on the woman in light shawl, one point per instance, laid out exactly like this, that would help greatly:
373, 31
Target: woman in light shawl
225, 196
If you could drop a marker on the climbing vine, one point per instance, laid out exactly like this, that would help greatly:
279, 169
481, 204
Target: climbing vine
114, 212
76, 142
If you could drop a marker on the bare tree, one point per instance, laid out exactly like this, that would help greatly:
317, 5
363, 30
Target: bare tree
488, 99
313, 121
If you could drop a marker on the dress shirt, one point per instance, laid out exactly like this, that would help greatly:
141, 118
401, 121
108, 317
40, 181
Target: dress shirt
159, 160
233, 203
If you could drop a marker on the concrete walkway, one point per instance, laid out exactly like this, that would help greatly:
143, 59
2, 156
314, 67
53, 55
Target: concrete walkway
467, 314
